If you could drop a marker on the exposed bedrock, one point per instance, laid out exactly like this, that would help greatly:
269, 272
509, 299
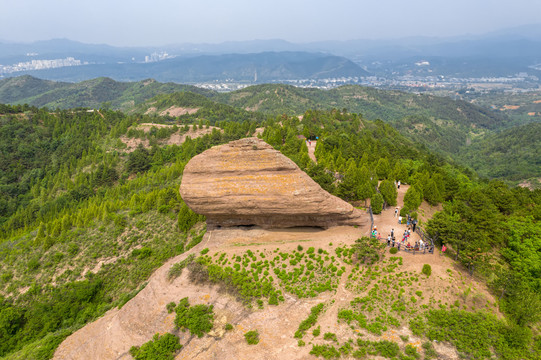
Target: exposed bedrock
247, 182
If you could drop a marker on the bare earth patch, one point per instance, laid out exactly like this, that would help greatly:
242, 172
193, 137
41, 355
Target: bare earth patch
178, 111
175, 139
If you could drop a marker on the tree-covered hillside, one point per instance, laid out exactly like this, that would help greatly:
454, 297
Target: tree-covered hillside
202, 107
84, 222
94, 94
513, 154
491, 229
442, 124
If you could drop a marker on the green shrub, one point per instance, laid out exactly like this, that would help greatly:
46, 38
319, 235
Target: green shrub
204, 251
228, 327
387, 348
252, 337
198, 319
170, 307
159, 348
326, 351
427, 270
330, 336
474, 334
393, 250
176, 269
310, 321
417, 326
430, 352
412, 351
404, 338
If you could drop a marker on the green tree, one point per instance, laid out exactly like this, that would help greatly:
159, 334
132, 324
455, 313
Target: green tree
389, 192
413, 198
431, 193
377, 203
349, 188
383, 169
368, 250
139, 160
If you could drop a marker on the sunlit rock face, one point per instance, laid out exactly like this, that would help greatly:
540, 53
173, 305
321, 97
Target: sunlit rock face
247, 182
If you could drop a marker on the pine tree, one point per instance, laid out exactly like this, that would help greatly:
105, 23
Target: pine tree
383, 169
431, 193
389, 192
377, 203
413, 198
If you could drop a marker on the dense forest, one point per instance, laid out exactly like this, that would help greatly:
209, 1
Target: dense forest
443, 125
84, 221
70, 197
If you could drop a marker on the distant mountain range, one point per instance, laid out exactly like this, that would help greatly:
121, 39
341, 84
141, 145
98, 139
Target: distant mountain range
252, 68
501, 53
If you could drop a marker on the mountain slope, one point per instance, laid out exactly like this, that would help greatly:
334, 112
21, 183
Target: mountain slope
514, 154
91, 94
269, 66
441, 123
16, 90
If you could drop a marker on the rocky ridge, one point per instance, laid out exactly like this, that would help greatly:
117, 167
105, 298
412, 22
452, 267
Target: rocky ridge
247, 182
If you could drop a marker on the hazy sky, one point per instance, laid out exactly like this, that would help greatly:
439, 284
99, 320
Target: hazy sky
160, 22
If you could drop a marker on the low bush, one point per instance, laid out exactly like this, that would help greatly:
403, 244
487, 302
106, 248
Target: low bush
310, 321
430, 352
326, 351
159, 348
252, 337
199, 319
427, 270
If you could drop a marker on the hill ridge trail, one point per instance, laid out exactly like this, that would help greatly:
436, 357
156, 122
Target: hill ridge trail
312, 149
387, 220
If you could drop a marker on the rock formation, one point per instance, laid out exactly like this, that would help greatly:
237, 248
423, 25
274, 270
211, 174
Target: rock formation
247, 182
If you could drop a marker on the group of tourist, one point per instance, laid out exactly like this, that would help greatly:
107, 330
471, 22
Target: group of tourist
405, 243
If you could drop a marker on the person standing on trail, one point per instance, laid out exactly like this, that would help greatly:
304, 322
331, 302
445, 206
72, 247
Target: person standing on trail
392, 234
398, 184
396, 212
414, 224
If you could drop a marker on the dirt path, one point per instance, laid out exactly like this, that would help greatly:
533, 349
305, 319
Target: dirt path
311, 149
386, 221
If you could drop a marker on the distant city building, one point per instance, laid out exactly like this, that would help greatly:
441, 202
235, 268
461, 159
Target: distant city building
155, 57
40, 65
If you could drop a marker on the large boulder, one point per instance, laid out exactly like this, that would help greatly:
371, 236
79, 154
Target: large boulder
247, 182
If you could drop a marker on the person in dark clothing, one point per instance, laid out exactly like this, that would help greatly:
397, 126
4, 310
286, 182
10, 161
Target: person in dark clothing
414, 225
